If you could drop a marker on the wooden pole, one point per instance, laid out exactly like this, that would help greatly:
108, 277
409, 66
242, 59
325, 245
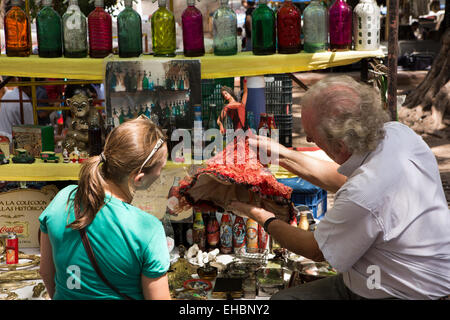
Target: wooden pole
392, 57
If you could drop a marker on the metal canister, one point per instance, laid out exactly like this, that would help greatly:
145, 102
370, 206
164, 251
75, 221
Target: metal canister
12, 249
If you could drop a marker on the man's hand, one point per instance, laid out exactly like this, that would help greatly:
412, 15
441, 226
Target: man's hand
267, 146
248, 211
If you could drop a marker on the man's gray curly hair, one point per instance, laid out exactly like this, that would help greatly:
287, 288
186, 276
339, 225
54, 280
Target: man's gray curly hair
349, 111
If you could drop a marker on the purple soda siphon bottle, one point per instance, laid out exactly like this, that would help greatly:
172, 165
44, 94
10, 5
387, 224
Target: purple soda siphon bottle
192, 23
100, 31
340, 26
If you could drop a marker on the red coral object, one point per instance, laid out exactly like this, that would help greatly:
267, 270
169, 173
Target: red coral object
238, 164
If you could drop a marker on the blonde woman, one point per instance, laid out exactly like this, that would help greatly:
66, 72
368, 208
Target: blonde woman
128, 245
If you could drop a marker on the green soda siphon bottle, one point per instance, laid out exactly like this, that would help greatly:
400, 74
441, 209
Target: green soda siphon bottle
49, 26
129, 30
263, 30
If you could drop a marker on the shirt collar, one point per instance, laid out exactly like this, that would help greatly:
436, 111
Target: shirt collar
352, 163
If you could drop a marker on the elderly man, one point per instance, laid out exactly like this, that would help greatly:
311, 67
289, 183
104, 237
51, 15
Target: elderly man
388, 232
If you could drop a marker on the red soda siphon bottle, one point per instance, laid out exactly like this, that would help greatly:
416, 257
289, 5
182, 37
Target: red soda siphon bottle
288, 28
100, 31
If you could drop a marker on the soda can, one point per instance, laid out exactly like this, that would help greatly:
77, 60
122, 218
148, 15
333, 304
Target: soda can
12, 249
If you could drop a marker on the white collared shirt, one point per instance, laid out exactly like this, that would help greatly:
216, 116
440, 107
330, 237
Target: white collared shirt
389, 229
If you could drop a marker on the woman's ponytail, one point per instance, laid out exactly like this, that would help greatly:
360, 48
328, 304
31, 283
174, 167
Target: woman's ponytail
90, 194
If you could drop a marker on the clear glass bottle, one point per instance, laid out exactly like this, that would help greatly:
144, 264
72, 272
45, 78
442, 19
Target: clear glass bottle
129, 31
163, 31
288, 28
224, 30
315, 27
340, 17
100, 31
192, 23
48, 26
366, 25
17, 31
74, 32
263, 30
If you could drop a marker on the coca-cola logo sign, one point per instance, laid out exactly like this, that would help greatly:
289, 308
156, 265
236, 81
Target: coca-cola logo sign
15, 229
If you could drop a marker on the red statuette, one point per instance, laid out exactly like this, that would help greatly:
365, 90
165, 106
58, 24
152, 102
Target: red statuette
12, 249
263, 237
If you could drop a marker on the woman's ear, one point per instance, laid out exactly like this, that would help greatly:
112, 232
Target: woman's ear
138, 179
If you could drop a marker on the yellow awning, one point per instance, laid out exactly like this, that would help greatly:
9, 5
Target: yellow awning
243, 64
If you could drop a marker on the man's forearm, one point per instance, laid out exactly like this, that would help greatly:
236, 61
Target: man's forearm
321, 173
295, 240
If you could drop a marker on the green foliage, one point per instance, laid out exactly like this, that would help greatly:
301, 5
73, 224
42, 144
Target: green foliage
60, 6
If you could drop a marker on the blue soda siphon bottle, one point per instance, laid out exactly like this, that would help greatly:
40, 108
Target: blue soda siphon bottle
224, 30
315, 27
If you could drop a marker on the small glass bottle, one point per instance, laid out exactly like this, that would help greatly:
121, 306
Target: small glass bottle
263, 30
74, 32
170, 233
224, 30
192, 23
239, 235
129, 31
226, 234
252, 236
366, 25
288, 28
163, 31
17, 31
48, 26
100, 31
213, 231
95, 138
340, 17
198, 231
315, 27
303, 223
263, 238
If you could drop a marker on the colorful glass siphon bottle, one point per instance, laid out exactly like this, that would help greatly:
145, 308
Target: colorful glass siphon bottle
129, 31
213, 231
315, 27
198, 231
192, 23
226, 234
163, 31
340, 14
288, 28
263, 30
74, 32
224, 30
49, 34
17, 31
239, 235
366, 25
100, 31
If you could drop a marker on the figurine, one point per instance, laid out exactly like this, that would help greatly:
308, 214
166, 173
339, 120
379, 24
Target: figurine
49, 156
23, 157
83, 156
74, 155
3, 159
83, 114
65, 155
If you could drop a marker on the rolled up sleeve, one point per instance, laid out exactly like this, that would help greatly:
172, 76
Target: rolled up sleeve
345, 233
